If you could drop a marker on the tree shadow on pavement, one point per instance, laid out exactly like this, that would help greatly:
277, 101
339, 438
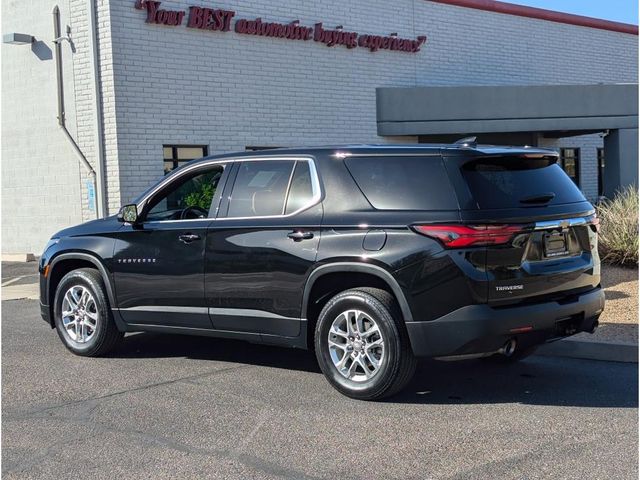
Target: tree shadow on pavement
537, 380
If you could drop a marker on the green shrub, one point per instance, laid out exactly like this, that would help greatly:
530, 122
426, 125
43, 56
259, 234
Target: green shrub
618, 240
201, 197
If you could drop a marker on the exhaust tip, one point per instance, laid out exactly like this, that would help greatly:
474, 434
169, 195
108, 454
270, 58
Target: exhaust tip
508, 348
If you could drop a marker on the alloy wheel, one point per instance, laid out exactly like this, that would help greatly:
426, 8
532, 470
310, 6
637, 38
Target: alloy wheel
356, 345
79, 314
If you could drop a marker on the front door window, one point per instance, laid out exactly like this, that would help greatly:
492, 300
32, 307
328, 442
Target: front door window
186, 199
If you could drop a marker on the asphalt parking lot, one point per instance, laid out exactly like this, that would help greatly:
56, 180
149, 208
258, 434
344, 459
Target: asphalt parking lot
189, 407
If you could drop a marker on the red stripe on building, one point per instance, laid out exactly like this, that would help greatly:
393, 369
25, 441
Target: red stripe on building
542, 14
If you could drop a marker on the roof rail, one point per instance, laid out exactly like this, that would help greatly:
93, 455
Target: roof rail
467, 142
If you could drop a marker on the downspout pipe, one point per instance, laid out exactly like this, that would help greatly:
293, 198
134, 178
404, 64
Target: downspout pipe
61, 110
101, 193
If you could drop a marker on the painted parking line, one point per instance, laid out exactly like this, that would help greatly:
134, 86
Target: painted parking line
17, 279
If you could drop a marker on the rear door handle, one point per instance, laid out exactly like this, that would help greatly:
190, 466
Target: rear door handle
299, 235
188, 237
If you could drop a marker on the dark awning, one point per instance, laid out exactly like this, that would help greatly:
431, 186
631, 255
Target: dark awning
484, 109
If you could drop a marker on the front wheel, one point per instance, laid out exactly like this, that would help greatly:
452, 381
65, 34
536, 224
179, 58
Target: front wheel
83, 319
362, 346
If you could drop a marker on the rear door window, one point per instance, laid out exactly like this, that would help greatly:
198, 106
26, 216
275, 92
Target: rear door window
260, 188
513, 182
403, 183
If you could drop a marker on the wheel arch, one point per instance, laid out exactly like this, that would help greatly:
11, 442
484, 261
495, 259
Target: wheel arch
383, 279
67, 262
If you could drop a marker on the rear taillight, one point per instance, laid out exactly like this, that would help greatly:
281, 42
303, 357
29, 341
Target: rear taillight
460, 236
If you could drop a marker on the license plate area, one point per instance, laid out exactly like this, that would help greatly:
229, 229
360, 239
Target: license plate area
555, 244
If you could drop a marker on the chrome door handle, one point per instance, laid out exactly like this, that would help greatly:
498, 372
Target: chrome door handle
188, 237
298, 235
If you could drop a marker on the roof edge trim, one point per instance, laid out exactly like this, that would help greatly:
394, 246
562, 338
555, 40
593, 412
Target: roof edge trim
543, 14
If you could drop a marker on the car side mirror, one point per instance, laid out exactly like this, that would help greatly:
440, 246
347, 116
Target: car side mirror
129, 214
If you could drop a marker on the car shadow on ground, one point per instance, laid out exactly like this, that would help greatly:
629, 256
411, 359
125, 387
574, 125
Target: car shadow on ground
537, 380
156, 345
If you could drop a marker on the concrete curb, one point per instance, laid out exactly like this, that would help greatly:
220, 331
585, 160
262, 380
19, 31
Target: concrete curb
18, 257
30, 291
603, 351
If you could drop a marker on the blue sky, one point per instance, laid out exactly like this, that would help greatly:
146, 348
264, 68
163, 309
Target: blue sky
617, 10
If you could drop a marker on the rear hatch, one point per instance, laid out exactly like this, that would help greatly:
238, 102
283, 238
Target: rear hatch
539, 230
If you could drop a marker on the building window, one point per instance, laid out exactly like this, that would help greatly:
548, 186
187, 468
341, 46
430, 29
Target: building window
176, 155
600, 171
570, 163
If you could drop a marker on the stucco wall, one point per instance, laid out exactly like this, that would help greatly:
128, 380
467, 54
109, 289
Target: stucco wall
41, 188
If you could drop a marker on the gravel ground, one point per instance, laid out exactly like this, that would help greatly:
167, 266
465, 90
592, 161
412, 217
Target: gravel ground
619, 321
621, 290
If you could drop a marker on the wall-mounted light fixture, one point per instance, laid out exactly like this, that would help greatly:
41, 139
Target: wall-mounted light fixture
18, 39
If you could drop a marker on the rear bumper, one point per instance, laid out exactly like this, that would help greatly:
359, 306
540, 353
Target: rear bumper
482, 328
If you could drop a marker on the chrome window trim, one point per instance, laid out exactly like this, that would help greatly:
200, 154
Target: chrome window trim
153, 222
343, 155
315, 185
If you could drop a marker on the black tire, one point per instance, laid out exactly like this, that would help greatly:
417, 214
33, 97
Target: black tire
398, 363
105, 336
515, 357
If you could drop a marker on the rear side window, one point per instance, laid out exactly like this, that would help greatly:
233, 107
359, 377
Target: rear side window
260, 188
403, 183
301, 190
511, 182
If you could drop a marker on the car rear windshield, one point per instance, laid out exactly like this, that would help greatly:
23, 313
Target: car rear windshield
403, 183
510, 181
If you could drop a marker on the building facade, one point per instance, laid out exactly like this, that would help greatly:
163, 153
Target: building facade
149, 84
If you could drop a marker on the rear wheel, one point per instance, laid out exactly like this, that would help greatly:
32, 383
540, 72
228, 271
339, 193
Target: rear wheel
83, 319
362, 346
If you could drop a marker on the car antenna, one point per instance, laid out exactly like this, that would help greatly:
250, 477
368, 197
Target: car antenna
467, 142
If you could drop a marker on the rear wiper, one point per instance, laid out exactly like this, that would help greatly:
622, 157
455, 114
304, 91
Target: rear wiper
540, 198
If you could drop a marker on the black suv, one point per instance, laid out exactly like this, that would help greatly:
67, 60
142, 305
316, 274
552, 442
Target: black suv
371, 255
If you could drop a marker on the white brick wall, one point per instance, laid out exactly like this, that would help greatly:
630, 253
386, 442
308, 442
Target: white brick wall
178, 85
83, 92
173, 85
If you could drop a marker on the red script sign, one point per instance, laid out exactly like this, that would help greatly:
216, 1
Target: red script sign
220, 20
